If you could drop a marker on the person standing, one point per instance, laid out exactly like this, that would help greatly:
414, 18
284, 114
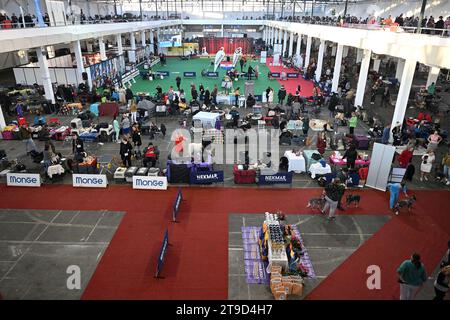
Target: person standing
133, 110
431, 88
427, 164
442, 284
236, 97
207, 97
386, 134
446, 164
125, 125
434, 140
351, 155
281, 95
125, 152
394, 190
242, 63
352, 123
116, 127
214, 94
411, 277
163, 129
19, 108
386, 97
178, 81
333, 192
136, 137
25, 134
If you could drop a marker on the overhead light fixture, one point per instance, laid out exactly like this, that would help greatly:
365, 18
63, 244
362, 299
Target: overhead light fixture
21, 54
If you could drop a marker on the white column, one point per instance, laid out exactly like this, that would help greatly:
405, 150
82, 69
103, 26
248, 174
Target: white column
320, 60
359, 54
291, 44
151, 42
376, 65
299, 45
132, 41
101, 44
432, 75
89, 46
362, 79
308, 52
333, 50
46, 80
120, 52
2, 120
76, 48
143, 40
285, 43
399, 71
337, 68
345, 52
403, 93
221, 29
276, 36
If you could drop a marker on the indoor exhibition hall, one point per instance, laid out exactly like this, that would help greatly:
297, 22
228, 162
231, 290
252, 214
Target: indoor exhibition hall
211, 150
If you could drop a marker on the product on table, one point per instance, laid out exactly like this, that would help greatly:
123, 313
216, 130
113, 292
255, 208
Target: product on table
119, 174
142, 171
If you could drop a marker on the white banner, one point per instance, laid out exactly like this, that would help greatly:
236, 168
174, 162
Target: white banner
90, 180
219, 57
263, 57
149, 182
237, 55
23, 179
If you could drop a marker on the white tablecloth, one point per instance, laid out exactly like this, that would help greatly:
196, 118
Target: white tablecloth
296, 163
207, 118
316, 168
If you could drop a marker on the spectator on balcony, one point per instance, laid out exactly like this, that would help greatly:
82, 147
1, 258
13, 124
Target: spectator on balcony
440, 23
399, 20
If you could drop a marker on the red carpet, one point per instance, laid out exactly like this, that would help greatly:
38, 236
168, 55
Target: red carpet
291, 84
197, 263
425, 230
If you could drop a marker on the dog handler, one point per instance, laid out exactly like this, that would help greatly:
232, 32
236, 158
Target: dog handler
394, 190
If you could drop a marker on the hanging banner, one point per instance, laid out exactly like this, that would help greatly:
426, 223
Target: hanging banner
207, 177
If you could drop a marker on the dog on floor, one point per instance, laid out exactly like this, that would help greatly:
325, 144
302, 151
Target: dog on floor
352, 198
316, 203
408, 203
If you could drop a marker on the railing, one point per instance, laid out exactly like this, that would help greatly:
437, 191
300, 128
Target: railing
430, 31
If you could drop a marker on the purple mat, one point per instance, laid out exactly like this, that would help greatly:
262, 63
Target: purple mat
305, 260
255, 268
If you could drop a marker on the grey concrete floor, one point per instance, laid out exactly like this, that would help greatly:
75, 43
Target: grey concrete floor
328, 244
37, 247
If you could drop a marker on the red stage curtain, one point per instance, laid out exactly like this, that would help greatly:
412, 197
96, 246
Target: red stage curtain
229, 44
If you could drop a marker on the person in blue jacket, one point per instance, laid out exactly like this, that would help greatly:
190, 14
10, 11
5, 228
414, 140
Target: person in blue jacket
394, 190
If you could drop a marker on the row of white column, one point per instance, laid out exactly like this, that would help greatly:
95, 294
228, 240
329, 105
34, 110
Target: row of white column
404, 73
76, 49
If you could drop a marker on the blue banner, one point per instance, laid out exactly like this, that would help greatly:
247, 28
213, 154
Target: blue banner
162, 253
278, 178
176, 205
38, 11
164, 73
190, 74
292, 75
212, 74
275, 74
207, 177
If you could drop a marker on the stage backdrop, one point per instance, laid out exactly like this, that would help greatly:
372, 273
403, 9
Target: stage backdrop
229, 44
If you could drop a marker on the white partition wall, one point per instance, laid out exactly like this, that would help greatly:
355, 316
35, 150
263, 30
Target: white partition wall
380, 166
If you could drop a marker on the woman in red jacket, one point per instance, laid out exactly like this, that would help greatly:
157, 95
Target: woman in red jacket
405, 157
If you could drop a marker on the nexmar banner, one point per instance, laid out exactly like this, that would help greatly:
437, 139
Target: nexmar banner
90, 180
206, 177
278, 178
23, 179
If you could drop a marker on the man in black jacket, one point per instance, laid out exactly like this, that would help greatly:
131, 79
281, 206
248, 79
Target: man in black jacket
125, 152
281, 95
